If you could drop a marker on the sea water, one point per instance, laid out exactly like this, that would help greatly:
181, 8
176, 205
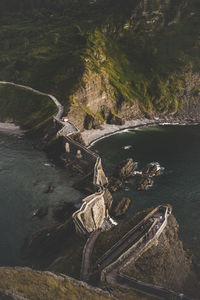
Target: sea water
177, 149
25, 177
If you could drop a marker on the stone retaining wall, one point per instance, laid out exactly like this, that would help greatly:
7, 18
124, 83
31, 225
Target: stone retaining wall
136, 250
92, 213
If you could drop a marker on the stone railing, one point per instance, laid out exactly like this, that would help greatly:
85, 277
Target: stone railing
99, 178
138, 248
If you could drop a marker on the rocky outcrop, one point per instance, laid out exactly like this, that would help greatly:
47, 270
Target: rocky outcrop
166, 264
144, 178
114, 184
120, 207
108, 199
143, 182
127, 168
93, 102
123, 171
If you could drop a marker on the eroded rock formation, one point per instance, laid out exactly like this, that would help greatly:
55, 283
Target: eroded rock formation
166, 264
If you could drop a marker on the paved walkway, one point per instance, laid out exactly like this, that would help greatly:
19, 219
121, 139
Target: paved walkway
112, 273
147, 229
68, 127
87, 253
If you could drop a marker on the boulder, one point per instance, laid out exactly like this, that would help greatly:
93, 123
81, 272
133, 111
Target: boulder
143, 182
114, 184
153, 169
120, 207
126, 168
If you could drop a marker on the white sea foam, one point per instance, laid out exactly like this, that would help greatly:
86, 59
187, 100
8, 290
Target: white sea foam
127, 147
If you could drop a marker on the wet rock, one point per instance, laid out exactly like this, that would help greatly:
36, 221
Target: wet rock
143, 182
120, 207
63, 211
114, 184
126, 168
153, 169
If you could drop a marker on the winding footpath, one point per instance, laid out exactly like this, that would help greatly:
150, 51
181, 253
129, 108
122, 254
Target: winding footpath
68, 127
129, 247
112, 273
86, 256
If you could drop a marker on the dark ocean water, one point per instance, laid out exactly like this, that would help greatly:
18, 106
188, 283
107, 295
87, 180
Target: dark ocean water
177, 149
25, 175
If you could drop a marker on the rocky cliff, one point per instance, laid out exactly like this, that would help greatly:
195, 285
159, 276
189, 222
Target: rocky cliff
147, 65
167, 264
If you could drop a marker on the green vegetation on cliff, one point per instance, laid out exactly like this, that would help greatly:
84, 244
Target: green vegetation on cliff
144, 49
28, 109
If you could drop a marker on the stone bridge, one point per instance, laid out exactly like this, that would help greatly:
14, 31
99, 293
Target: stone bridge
92, 213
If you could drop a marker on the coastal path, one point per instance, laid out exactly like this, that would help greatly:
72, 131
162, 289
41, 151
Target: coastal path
86, 256
146, 229
113, 273
68, 127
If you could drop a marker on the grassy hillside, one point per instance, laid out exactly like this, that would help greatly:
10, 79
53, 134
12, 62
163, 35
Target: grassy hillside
39, 285
34, 285
28, 109
144, 50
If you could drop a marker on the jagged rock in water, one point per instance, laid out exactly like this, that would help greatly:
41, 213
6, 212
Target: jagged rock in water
153, 169
114, 184
127, 168
120, 207
143, 182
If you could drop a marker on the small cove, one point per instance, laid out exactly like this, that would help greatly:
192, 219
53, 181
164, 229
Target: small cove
177, 149
25, 175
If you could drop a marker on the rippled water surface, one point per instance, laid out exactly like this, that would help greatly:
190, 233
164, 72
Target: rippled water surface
25, 175
177, 148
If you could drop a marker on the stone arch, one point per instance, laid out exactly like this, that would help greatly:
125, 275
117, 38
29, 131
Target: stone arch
67, 147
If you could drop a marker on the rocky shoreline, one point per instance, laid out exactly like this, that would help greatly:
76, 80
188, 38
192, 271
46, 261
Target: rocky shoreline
92, 136
10, 128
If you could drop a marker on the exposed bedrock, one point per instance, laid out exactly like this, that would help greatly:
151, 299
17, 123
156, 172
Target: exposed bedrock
120, 207
167, 263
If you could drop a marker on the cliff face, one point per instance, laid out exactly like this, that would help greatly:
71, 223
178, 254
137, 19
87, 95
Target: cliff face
147, 64
167, 264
